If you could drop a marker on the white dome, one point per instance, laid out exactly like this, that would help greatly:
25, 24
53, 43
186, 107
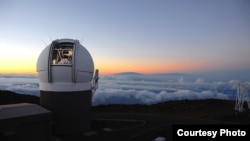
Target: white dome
65, 65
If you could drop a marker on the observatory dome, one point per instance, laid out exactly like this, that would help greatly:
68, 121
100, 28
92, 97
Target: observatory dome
65, 65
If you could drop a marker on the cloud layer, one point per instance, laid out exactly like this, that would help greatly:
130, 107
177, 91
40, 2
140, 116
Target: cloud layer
138, 89
150, 89
26, 84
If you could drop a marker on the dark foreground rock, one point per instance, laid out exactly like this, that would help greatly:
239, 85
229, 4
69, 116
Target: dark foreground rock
146, 122
8, 97
206, 109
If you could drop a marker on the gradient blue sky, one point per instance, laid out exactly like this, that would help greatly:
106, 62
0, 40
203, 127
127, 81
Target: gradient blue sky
147, 36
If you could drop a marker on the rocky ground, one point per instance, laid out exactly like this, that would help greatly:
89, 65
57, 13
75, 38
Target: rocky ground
207, 109
146, 122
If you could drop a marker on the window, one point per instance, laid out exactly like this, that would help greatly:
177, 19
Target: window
62, 54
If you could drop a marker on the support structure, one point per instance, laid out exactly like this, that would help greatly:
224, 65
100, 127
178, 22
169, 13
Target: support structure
242, 96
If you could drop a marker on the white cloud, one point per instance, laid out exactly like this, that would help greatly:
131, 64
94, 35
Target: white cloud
138, 89
199, 81
147, 89
26, 84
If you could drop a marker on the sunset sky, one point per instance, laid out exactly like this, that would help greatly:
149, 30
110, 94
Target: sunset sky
146, 36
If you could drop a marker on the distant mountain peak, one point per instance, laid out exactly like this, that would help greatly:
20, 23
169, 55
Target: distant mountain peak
176, 74
128, 73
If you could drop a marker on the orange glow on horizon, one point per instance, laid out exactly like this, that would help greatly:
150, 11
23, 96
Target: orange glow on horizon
18, 67
148, 66
112, 66
18, 71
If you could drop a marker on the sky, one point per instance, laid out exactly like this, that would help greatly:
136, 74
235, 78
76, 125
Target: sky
146, 36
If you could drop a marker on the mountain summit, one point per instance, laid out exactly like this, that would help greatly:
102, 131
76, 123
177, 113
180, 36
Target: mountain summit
128, 73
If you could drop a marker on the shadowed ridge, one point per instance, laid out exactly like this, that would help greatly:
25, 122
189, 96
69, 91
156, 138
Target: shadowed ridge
128, 73
8, 97
207, 108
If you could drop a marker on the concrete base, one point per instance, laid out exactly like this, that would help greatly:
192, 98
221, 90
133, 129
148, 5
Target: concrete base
25, 122
71, 110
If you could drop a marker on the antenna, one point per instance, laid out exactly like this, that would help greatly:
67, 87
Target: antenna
82, 38
44, 42
242, 96
50, 38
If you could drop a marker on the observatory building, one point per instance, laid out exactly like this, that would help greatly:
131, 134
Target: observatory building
67, 82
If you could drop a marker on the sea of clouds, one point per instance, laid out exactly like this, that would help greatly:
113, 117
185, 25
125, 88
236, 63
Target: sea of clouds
24, 84
130, 88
